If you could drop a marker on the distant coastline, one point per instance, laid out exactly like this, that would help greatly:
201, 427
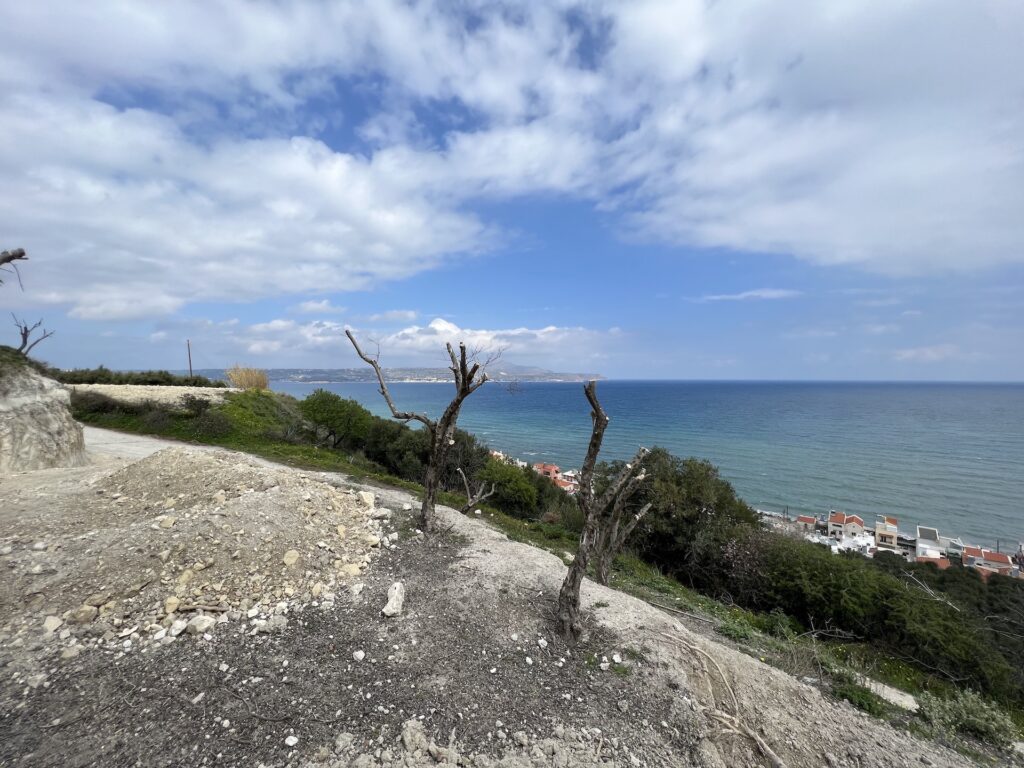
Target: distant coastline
505, 374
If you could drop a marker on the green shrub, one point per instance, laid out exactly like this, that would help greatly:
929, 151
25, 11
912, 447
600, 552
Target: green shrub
211, 424
194, 405
735, 629
860, 697
157, 419
967, 714
94, 402
104, 375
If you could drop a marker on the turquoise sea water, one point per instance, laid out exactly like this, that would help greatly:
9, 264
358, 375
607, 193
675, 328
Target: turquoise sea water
950, 455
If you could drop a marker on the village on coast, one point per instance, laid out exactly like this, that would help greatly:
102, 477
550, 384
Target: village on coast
843, 532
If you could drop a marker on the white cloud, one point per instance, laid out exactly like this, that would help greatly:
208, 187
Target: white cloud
884, 137
931, 354
881, 329
394, 315
759, 293
811, 333
322, 307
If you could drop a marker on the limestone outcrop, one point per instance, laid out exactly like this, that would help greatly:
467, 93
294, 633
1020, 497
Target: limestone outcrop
36, 427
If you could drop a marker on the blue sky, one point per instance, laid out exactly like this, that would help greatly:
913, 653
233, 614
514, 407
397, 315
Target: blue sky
789, 190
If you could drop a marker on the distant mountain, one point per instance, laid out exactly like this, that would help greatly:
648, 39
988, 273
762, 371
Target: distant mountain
506, 372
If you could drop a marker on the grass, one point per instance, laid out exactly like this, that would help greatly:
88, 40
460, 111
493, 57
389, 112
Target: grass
247, 378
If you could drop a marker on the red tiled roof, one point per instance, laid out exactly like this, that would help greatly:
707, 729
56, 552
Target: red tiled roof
806, 519
855, 519
996, 557
941, 562
837, 517
972, 551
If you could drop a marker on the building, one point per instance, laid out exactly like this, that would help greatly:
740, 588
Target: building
886, 534
806, 523
551, 471
928, 547
841, 525
907, 546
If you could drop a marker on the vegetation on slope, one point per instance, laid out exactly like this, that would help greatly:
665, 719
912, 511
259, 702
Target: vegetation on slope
792, 602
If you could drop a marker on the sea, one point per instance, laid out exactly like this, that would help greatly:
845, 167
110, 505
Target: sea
948, 455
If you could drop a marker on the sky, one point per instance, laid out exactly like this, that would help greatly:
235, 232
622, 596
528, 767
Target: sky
640, 189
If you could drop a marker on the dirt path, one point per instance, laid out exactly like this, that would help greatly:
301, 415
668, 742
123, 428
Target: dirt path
468, 672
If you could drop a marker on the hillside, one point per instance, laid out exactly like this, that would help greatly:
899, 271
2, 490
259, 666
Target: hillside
284, 657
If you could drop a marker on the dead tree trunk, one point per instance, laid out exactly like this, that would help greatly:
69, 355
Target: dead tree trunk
469, 377
8, 258
25, 331
597, 517
472, 499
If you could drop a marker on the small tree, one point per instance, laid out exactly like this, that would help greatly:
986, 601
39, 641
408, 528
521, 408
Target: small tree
599, 514
474, 498
25, 331
618, 523
469, 377
337, 419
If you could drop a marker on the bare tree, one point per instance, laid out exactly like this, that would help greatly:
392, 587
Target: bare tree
469, 377
473, 499
597, 516
8, 258
25, 331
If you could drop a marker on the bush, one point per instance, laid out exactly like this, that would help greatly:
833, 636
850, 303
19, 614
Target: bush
103, 375
193, 405
94, 402
967, 714
861, 698
211, 424
157, 419
247, 378
735, 629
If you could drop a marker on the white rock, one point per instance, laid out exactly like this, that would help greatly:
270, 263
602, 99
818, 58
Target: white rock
51, 624
529, 661
177, 627
542, 642
359, 655
291, 741
396, 598
200, 625
291, 557
367, 498
407, 507
357, 588
616, 658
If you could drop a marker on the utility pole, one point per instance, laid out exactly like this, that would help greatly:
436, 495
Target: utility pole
188, 345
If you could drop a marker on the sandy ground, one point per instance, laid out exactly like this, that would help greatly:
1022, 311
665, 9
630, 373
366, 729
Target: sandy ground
468, 672
140, 393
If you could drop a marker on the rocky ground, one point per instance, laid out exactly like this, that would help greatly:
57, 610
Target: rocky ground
293, 662
164, 395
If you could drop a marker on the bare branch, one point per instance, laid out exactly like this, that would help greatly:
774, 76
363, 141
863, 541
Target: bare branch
400, 415
9, 257
25, 331
474, 499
